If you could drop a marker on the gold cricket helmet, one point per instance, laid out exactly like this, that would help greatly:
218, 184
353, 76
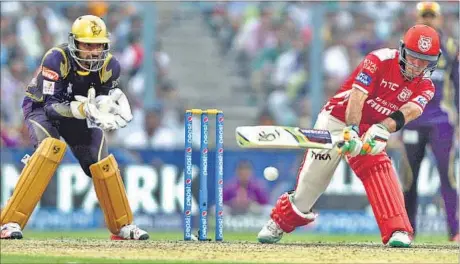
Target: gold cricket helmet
432, 8
91, 30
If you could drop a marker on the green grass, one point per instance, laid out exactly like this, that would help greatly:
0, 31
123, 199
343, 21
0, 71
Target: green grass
48, 259
94, 246
233, 236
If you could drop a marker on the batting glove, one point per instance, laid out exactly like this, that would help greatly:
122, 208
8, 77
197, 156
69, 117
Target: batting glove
375, 140
351, 144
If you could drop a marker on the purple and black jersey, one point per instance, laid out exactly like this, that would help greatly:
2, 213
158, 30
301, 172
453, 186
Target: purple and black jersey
58, 80
46, 106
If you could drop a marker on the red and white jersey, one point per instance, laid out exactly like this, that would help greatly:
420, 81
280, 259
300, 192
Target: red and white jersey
380, 77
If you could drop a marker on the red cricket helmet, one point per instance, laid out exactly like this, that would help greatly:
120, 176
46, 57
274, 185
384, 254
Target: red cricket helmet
421, 42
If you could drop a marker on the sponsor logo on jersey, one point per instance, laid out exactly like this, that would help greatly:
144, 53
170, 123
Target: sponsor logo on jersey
49, 74
392, 86
48, 87
364, 78
404, 95
69, 88
379, 108
369, 65
421, 100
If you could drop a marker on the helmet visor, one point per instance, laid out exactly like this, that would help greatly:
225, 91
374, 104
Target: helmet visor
430, 58
417, 64
89, 60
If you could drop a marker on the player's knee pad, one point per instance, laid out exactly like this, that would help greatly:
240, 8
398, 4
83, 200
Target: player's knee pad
33, 181
111, 193
384, 193
287, 216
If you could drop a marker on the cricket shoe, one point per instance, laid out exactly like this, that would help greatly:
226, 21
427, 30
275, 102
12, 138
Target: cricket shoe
11, 231
130, 232
400, 239
455, 238
270, 233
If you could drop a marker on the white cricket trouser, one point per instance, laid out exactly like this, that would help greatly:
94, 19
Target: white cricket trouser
318, 166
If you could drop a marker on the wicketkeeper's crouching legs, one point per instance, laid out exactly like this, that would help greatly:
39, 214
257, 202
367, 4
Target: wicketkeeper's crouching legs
90, 148
384, 194
32, 183
113, 200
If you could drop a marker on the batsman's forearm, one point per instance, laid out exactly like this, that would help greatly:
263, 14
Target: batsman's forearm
58, 110
410, 111
354, 109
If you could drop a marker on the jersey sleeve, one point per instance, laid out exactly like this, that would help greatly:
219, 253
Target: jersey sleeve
425, 94
50, 80
367, 73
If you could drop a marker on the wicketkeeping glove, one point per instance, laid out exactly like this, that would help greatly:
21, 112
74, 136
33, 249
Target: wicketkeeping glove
375, 140
123, 110
84, 107
87, 109
115, 103
106, 105
351, 144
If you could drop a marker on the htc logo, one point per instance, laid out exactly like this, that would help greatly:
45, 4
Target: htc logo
392, 86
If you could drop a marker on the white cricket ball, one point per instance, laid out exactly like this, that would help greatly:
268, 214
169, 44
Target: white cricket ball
271, 173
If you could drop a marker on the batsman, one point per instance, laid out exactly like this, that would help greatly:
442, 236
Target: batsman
387, 90
75, 95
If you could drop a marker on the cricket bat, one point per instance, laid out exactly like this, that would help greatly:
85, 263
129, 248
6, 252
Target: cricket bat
283, 137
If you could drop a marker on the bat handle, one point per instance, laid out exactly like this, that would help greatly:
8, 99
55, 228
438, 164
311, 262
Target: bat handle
341, 149
338, 142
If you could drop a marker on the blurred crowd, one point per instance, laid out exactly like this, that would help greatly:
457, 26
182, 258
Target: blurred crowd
266, 42
269, 44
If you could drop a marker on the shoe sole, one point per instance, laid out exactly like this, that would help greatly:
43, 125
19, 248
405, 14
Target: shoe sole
142, 237
267, 241
399, 244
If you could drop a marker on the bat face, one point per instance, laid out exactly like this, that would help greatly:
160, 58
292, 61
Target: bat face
281, 137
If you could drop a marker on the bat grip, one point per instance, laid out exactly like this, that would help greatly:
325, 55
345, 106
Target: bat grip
337, 141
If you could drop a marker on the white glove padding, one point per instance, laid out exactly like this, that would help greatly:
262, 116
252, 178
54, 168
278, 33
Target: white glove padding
108, 121
375, 140
351, 144
124, 110
106, 104
103, 120
84, 107
120, 121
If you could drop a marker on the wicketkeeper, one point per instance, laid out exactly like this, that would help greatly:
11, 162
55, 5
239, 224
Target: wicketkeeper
75, 95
